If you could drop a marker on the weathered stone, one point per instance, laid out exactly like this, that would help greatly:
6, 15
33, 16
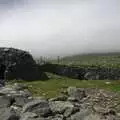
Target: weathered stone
16, 108
60, 107
96, 106
5, 101
28, 115
88, 117
7, 114
91, 76
20, 65
2, 74
40, 107
82, 73
7, 90
68, 112
76, 93
18, 86
59, 98
8, 96
56, 117
99, 109
21, 100
93, 117
80, 115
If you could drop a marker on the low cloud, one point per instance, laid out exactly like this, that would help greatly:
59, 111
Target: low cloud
51, 28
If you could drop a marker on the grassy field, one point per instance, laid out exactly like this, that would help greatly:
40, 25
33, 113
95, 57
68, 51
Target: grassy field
52, 87
55, 84
94, 60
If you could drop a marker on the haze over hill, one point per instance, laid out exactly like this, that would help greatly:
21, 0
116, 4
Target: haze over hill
60, 27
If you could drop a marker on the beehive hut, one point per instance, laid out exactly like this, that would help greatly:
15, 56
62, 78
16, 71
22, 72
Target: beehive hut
20, 65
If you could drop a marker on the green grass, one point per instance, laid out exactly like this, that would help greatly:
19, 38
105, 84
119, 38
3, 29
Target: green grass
52, 87
105, 60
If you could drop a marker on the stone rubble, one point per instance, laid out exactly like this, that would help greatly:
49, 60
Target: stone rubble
17, 103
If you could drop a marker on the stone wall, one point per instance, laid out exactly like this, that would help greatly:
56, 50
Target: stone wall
83, 73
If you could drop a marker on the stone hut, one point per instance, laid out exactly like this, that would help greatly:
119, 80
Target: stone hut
20, 65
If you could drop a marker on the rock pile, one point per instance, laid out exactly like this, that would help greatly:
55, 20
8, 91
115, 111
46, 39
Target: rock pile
20, 65
17, 103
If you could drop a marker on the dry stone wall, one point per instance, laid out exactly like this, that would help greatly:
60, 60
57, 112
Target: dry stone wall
83, 73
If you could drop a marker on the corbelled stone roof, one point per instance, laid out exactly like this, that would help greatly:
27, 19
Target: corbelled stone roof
20, 64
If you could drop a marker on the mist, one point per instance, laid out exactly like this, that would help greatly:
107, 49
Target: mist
60, 27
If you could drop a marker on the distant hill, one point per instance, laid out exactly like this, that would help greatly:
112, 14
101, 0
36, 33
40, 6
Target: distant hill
92, 59
93, 54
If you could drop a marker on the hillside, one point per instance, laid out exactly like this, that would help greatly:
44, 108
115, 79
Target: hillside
100, 59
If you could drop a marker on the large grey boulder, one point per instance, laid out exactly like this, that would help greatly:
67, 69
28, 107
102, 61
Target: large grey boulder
20, 65
76, 94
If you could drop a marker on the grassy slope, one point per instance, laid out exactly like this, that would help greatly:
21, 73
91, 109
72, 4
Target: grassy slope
53, 86
102, 60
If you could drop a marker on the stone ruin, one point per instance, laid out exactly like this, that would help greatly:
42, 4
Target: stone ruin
20, 65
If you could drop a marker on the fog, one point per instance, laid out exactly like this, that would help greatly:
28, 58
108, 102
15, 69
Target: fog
60, 27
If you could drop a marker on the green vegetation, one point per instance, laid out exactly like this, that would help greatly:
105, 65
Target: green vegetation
92, 60
55, 84
52, 87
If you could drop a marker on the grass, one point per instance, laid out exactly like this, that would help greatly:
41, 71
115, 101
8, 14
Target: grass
55, 84
52, 87
95, 60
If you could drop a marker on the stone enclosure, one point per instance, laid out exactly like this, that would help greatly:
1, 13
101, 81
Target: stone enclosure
21, 65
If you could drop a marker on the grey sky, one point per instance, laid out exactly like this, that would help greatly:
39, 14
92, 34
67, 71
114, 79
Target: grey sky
60, 27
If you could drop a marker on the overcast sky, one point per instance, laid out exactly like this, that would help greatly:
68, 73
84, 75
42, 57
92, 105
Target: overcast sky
60, 27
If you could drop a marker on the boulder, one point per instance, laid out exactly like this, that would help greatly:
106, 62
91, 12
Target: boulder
76, 94
84, 114
56, 117
28, 116
5, 101
60, 107
40, 107
20, 65
8, 114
